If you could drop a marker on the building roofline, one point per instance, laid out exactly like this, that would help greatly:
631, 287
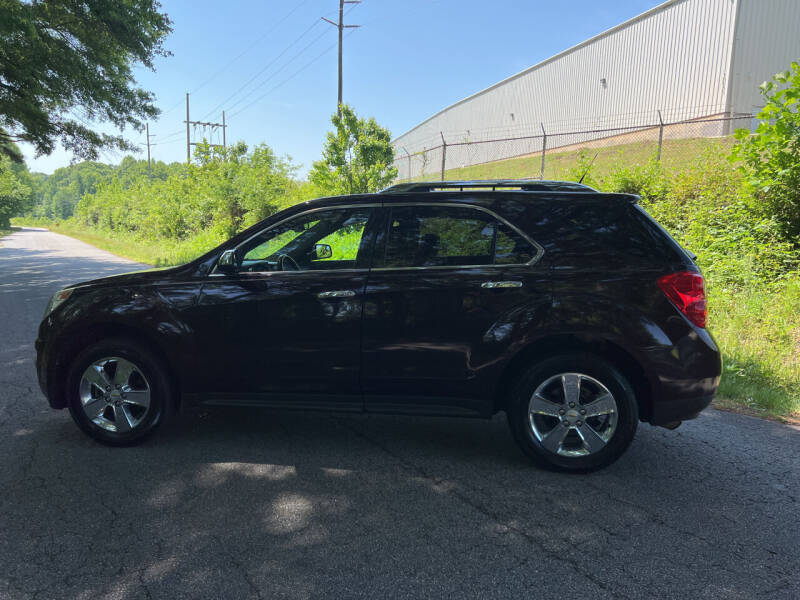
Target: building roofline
646, 14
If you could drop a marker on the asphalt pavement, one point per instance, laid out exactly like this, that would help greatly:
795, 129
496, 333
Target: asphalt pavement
230, 503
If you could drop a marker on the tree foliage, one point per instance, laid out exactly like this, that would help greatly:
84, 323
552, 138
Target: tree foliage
55, 196
15, 191
710, 211
771, 155
65, 61
357, 157
203, 204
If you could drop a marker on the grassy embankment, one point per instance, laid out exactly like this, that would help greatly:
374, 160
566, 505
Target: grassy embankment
676, 155
759, 333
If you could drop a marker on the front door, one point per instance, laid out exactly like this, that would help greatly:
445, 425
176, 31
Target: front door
285, 329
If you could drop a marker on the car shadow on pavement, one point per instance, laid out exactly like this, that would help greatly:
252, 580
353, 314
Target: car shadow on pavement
297, 505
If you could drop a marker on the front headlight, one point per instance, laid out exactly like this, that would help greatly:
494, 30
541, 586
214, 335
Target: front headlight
57, 300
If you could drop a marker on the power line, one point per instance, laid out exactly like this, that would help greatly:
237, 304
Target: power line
274, 74
281, 68
172, 136
267, 66
238, 56
175, 136
292, 76
249, 81
271, 63
251, 46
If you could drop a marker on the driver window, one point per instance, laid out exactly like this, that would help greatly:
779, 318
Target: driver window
344, 242
321, 240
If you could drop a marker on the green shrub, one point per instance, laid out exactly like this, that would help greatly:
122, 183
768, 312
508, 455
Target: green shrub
712, 214
770, 157
195, 207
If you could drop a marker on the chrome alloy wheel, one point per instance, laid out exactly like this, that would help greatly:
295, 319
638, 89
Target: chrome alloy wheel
114, 394
572, 414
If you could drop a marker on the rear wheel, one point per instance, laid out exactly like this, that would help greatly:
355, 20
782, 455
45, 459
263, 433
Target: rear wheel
118, 392
573, 413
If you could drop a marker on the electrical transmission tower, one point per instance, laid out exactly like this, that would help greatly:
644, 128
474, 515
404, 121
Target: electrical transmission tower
341, 27
189, 122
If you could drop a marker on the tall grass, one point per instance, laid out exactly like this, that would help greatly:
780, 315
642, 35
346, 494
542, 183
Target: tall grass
759, 333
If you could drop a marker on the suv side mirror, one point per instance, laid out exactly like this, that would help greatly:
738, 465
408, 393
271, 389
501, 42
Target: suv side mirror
322, 251
227, 263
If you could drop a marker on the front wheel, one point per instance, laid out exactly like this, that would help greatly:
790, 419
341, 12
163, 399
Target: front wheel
573, 413
118, 392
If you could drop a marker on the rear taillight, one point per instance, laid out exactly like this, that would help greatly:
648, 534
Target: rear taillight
687, 292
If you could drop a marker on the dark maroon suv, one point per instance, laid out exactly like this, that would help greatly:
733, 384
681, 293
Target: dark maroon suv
570, 310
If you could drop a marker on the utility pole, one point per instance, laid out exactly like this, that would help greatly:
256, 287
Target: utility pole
189, 142
224, 145
147, 128
188, 145
341, 27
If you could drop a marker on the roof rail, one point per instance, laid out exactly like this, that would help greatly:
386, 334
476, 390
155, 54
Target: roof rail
525, 185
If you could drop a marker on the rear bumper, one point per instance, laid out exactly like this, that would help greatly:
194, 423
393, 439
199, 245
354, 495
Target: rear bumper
685, 377
681, 409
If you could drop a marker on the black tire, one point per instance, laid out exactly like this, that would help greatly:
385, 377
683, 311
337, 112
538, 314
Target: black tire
596, 368
161, 398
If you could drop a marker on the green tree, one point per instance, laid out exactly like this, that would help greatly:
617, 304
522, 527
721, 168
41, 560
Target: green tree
771, 155
357, 157
14, 193
219, 194
64, 61
55, 196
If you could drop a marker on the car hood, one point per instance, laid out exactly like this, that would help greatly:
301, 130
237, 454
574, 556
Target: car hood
144, 276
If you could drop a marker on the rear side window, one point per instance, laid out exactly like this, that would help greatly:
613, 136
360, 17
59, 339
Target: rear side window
439, 236
597, 235
511, 248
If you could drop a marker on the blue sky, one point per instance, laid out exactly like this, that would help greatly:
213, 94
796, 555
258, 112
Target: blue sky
410, 59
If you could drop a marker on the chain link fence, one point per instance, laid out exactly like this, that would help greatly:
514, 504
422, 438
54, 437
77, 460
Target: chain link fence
550, 155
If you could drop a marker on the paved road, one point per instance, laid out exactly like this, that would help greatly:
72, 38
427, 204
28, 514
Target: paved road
244, 503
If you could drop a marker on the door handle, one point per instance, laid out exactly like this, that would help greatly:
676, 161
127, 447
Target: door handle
501, 284
337, 294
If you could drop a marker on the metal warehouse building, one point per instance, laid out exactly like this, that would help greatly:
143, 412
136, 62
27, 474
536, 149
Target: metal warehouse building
684, 60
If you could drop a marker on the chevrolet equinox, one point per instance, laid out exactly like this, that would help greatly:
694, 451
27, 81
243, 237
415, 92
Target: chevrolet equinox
570, 310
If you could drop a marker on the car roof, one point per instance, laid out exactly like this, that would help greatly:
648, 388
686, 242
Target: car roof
522, 185
482, 190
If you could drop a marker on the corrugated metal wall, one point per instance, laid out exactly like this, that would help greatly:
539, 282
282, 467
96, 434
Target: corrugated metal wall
767, 41
674, 57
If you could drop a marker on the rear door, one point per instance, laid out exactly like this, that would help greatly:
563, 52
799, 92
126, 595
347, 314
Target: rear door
445, 279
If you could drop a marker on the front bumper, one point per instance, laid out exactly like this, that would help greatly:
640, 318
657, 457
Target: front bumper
44, 369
